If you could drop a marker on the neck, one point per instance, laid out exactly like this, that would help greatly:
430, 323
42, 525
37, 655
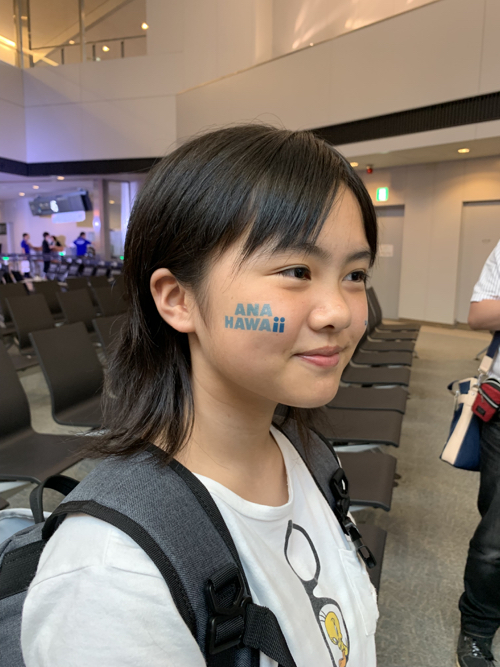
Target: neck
231, 443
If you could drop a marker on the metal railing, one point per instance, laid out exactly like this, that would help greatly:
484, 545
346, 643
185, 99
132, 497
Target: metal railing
27, 55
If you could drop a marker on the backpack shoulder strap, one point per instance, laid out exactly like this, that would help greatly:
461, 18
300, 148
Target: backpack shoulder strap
325, 468
170, 514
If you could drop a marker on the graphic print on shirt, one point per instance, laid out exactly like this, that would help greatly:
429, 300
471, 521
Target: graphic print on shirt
327, 611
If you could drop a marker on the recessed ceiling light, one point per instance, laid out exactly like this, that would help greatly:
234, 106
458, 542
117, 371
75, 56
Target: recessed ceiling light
354, 164
21, 194
60, 178
105, 48
311, 44
111, 201
71, 41
144, 26
36, 187
464, 150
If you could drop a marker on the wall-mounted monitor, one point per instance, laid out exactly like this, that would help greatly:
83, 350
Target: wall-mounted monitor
61, 203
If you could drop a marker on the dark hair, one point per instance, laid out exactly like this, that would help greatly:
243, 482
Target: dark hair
275, 186
82, 233
25, 234
46, 234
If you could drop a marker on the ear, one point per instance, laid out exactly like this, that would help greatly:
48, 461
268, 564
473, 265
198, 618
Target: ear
173, 301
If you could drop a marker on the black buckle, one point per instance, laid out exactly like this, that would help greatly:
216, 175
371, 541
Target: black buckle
339, 486
364, 552
220, 614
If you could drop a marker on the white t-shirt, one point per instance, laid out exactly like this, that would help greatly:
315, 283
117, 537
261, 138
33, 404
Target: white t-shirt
98, 599
488, 287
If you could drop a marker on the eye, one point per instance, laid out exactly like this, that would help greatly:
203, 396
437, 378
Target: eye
357, 277
300, 272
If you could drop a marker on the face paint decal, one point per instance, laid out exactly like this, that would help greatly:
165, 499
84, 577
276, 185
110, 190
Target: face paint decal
255, 323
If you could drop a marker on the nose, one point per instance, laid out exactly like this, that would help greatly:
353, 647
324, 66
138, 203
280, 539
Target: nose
332, 310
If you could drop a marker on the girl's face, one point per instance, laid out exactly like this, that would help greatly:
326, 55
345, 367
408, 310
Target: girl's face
282, 328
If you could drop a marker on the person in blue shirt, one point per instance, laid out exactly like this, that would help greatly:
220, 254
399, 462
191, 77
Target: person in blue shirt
26, 245
81, 245
27, 248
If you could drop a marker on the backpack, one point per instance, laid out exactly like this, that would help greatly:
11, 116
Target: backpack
203, 570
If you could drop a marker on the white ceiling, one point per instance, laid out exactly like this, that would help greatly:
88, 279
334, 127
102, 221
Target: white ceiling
443, 153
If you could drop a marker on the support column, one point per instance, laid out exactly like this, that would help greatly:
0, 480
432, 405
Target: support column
81, 20
101, 217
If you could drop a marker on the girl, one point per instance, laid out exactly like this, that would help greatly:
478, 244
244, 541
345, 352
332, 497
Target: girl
245, 265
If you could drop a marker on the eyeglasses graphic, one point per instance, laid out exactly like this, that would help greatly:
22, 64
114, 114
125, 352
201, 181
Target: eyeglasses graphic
327, 611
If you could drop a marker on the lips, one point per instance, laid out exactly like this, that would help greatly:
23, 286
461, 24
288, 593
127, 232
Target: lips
326, 357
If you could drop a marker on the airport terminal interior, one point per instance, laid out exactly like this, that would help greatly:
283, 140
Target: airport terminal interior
93, 93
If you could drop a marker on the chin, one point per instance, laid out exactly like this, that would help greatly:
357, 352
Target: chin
317, 401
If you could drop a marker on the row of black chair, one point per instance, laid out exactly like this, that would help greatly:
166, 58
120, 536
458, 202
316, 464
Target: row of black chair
23, 312
74, 376
64, 268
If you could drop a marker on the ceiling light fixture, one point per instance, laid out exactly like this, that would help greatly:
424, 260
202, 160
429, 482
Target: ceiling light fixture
36, 187
111, 201
60, 178
21, 194
144, 26
354, 164
105, 48
9, 42
464, 150
71, 41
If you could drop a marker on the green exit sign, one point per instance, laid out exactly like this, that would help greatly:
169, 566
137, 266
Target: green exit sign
382, 194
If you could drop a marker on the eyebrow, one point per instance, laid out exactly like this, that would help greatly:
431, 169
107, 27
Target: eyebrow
315, 251
359, 256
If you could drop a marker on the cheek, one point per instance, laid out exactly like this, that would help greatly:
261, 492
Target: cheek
250, 343
359, 318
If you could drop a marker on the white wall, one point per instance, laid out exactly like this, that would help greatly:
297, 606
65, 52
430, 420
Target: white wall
439, 52
101, 110
433, 196
125, 108
12, 132
297, 23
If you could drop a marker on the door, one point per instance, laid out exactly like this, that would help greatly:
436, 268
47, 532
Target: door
386, 273
479, 235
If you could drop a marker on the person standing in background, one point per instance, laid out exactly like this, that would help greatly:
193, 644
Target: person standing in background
26, 245
81, 245
56, 246
480, 603
27, 248
46, 252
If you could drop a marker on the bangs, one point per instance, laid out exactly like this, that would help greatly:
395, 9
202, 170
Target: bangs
277, 191
292, 200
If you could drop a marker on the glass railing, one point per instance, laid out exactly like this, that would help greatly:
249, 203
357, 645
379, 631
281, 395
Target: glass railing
59, 32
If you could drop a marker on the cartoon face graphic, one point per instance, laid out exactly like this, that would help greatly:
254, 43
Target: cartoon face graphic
332, 625
328, 613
